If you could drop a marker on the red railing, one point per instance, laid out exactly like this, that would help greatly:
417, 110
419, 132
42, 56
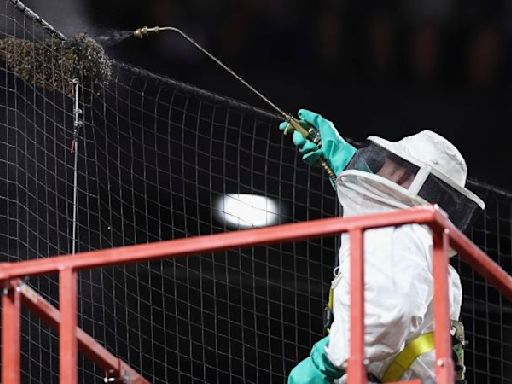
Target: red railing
72, 338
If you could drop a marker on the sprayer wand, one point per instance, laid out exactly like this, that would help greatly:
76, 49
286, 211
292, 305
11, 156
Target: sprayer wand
294, 124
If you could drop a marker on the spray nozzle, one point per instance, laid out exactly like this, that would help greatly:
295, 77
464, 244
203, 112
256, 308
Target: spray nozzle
143, 31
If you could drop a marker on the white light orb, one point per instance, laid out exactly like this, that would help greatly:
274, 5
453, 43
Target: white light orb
239, 210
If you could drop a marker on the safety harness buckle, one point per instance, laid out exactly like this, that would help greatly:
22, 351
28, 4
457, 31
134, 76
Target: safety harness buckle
459, 343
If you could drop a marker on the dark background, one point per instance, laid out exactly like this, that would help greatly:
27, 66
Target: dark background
387, 71
375, 68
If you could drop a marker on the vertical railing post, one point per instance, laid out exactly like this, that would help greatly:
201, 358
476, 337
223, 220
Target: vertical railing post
356, 363
68, 324
10, 333
445, 373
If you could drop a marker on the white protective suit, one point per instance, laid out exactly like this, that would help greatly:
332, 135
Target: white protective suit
398, 261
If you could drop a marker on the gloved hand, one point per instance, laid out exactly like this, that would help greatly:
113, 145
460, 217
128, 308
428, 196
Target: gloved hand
335, 150
316, 369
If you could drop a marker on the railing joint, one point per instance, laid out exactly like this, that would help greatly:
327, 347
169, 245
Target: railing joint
121, 375
9, 285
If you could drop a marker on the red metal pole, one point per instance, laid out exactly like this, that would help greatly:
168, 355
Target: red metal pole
68, 323
10, 334
86, 344
356, 362
445, 370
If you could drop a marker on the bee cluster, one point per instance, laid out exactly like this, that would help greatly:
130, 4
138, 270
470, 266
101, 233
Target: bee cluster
53, 63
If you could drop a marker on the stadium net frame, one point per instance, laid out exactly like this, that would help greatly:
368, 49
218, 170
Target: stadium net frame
444, 233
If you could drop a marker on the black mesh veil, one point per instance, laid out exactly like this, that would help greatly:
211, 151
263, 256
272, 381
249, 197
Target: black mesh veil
461, 210
461, 207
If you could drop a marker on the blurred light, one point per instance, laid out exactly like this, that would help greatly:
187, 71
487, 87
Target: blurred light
247, 210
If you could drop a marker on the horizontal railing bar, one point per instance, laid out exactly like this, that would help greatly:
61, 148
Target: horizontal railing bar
430, 215
480, 261
218, 242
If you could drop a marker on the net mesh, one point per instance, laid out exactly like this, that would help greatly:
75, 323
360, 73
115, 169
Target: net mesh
487, 316
155, 156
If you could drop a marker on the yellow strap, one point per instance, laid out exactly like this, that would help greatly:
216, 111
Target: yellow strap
330, 303
414, 349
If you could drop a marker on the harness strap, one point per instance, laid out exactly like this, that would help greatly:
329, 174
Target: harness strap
328, 315
414, 349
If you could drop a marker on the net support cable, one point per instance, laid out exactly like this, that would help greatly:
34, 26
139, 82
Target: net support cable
77, 124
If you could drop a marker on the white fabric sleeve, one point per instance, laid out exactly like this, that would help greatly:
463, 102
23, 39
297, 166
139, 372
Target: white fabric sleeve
398, 289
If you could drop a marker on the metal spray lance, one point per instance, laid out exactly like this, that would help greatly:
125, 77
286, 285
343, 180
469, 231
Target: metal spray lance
294, 124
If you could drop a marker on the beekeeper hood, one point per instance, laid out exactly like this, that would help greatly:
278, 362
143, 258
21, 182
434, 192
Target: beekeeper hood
417, 170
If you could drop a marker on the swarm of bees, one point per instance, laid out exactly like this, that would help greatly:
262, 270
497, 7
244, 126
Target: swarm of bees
52, 64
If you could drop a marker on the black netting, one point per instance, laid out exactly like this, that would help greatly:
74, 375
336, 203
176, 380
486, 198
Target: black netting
486, 314
154, 157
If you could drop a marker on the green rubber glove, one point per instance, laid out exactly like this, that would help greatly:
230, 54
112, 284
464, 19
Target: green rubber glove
316, 369
335, 150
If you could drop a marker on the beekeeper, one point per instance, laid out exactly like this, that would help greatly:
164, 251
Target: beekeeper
382, 175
